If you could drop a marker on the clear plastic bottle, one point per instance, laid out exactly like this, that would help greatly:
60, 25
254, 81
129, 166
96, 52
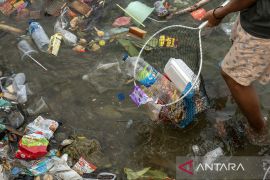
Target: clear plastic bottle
69, 38
39, 36
144, 72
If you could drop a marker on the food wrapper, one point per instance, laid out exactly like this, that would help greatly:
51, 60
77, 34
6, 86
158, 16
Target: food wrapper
82, 166
55, 43
138, 96
42, 126
32, 146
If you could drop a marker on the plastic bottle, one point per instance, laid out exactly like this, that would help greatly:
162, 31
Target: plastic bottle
68, 37
144, 72
39, 36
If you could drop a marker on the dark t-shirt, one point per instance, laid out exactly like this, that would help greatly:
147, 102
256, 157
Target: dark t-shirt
256, 19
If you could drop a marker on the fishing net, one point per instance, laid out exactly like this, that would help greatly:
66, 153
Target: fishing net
179, 42
176, 53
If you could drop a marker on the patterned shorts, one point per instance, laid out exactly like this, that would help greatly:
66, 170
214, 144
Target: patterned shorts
248, 59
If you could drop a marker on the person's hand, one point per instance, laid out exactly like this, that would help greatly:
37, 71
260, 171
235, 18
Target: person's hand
212, 20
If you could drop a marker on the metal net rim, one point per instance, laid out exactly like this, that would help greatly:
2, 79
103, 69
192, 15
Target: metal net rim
199, 29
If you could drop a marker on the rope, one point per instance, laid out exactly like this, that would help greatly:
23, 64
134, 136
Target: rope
264, 177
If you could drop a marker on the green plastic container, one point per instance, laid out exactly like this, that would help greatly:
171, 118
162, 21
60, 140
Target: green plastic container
138, 11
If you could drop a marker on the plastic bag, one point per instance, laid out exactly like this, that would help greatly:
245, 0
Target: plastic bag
3, 175
42, 126
32, 146
19, 79
21, 94
15, 119
121, 21
105, 77
61, 170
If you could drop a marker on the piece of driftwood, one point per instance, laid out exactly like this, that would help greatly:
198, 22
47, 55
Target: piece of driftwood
10, 29
192, 8
14, 131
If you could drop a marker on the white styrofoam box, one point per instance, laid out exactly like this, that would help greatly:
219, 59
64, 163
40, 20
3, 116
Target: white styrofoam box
179, 73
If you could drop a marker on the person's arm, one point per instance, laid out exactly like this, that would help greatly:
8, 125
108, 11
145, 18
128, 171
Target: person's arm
215, 16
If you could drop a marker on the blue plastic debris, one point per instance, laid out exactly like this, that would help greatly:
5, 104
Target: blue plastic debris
15, 171
4, 103
190, 107
121, 96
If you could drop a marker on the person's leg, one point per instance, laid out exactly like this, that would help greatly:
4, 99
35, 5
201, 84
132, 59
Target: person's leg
248, 101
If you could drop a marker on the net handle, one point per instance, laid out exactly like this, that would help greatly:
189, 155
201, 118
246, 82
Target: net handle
206, 22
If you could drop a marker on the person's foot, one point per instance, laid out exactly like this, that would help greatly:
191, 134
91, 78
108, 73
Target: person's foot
259, 139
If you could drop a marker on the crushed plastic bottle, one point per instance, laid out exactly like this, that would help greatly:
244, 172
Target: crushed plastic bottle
69, 38
39, 36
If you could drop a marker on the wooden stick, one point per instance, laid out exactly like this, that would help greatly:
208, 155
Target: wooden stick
10, 29
14, 131
193, 7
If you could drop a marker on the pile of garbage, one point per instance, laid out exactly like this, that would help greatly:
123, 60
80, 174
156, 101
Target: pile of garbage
25, 150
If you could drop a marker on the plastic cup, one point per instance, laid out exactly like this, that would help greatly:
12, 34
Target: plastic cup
26, 49
38, 107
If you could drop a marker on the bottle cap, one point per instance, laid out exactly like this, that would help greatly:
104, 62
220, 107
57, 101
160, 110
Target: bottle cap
30, 21
125, 56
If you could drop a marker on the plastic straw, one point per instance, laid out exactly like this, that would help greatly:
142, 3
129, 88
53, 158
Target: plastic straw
37, 62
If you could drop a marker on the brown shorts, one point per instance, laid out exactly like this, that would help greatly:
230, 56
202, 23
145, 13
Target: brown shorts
248, 59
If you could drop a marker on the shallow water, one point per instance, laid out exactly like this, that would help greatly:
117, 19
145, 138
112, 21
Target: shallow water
86, 111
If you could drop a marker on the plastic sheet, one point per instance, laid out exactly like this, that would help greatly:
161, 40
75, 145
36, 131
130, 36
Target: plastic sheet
105, 77
38, 107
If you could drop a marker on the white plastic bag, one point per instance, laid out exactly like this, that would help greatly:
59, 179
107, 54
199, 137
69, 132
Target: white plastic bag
62, 171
